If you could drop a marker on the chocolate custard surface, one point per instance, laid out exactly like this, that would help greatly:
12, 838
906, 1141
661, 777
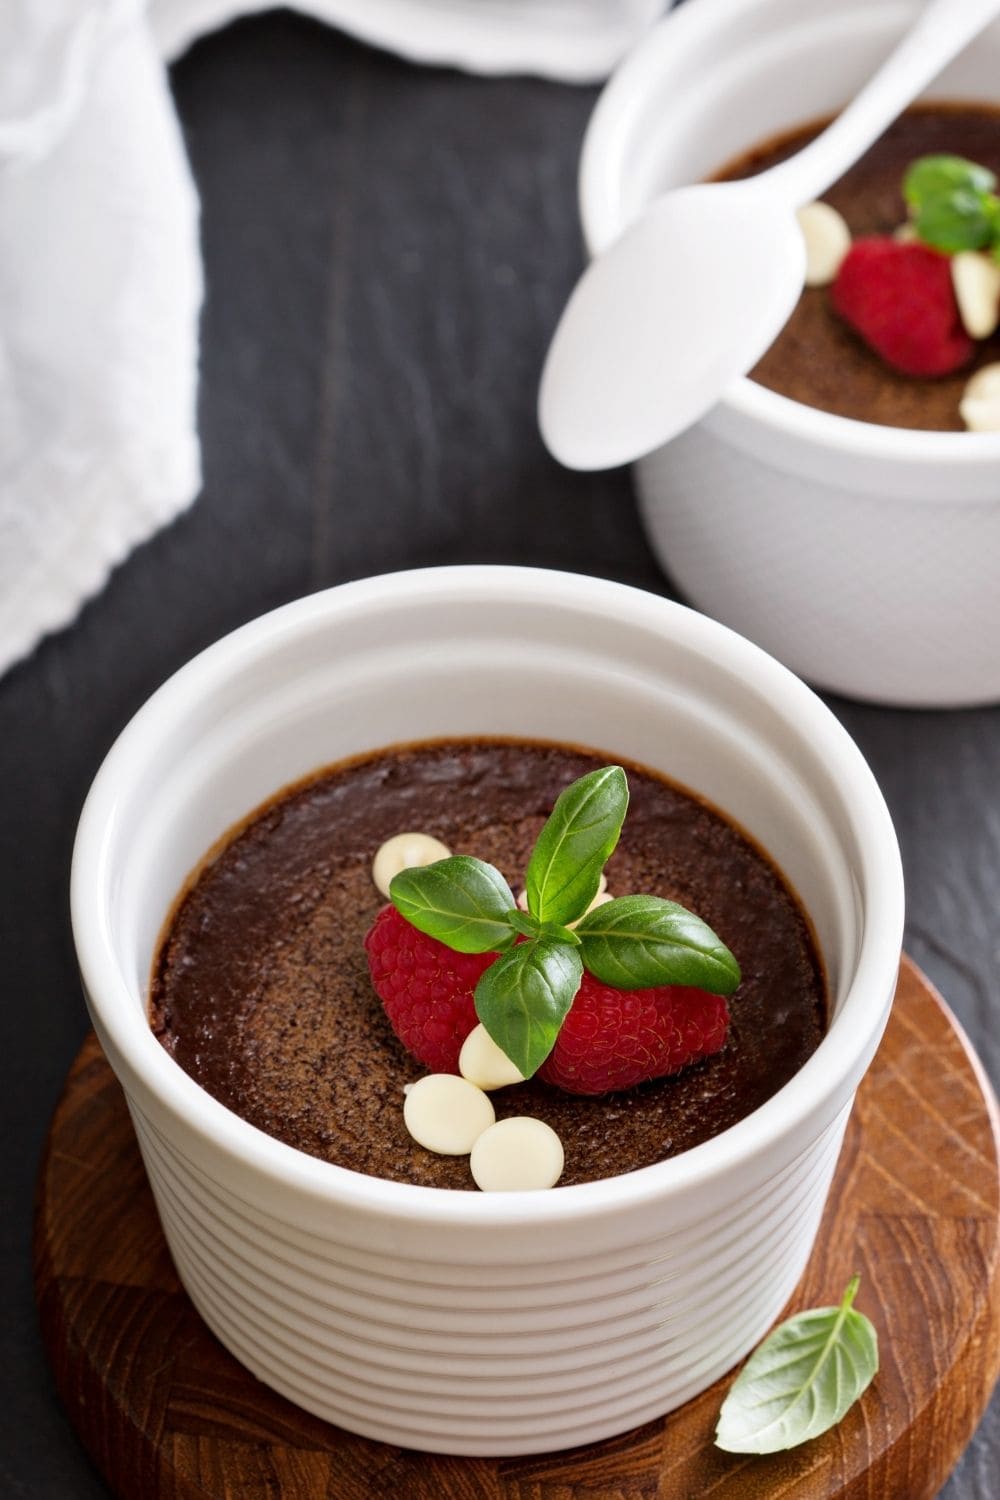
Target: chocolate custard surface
261, 991
817, 359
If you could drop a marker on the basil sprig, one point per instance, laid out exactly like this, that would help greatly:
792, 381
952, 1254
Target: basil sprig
952, 204
801, 1380
636, 942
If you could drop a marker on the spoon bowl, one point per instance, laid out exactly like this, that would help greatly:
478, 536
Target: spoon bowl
684, 324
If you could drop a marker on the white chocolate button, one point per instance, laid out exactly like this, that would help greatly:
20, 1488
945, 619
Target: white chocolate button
405, 851
984, 385
980, 416
980, 403
522, 900
447, 1114
517, 1155
828, 240
976, 279
485, 1064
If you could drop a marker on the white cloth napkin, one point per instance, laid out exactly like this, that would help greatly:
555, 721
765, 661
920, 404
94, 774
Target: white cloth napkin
100, 270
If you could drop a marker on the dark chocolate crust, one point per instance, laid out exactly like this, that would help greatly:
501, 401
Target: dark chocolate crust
261, 991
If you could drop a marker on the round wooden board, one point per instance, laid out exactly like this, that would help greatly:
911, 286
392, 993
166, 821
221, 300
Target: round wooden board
165, 1412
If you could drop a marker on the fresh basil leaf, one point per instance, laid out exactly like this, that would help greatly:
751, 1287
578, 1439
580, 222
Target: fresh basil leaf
461, 901
558, 933
523, 923
936, 176
528, 926
960, 222
636, 942
566, 863
951, 202
801, 1380
523, 999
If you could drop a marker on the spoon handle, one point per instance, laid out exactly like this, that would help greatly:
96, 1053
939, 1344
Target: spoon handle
940, 33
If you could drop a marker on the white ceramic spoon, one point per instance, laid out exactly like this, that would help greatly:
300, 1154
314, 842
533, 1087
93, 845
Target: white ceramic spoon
693, 292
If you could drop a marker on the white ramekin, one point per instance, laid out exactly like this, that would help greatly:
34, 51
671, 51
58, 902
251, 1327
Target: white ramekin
864, 557
476, 1323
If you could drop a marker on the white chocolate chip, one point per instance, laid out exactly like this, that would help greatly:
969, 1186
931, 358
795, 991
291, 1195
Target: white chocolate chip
447, 1114
906, 234
485, 1064
984, 385
828, 240
522, 900
980, 416
980, 403
516, 1155
405, 851
976, 279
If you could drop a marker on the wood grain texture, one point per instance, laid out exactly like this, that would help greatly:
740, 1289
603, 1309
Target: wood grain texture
915, 1208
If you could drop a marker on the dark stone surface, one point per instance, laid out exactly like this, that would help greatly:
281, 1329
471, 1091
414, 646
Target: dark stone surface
387, 250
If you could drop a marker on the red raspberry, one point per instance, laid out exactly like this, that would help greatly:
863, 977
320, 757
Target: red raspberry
610, 1040
426, 989
900, 299
613, 1039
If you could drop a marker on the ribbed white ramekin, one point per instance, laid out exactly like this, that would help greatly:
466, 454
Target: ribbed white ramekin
862, 556
467, 1322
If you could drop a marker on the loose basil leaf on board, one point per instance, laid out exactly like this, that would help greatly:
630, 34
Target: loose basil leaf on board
522, 999
636, 942
801, 1380
461, 901
573, 847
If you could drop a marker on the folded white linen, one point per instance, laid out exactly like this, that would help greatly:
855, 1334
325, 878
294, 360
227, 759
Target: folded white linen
100, 269
100, 287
